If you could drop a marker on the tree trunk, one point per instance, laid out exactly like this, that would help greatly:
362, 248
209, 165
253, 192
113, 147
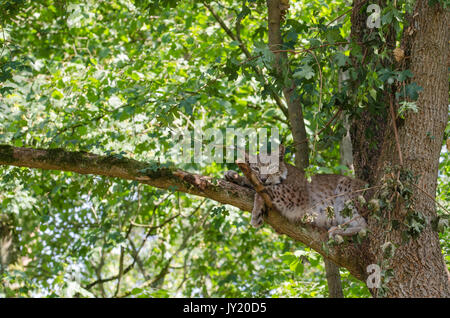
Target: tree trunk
333, 279
281, 65
420, 270
8, 243
369, 127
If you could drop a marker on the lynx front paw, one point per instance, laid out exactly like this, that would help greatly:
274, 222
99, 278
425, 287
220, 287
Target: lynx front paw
234, 177
257, 212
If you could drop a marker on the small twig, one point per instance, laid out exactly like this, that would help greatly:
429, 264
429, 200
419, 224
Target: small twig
95, 214
309, 49
195, 210
135, 256
154, 227
105, 280
345, 13
220, 21
119, 278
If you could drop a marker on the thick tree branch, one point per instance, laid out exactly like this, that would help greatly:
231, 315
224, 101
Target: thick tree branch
129, 169
347, 255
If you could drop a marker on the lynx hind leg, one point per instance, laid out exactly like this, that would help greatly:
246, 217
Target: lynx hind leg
352, 228
234, 177
257, 212
333, 231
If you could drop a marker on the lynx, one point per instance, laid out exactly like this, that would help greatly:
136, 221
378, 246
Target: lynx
320, 202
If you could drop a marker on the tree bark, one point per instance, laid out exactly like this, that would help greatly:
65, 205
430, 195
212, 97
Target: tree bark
333, 279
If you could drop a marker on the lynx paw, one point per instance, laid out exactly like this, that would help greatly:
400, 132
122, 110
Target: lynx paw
233, 177
257, 212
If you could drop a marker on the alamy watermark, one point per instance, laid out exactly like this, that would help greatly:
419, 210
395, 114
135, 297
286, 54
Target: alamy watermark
374, 279
374, 19
214, 145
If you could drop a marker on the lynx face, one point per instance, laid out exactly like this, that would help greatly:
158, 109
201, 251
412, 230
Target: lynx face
269, 169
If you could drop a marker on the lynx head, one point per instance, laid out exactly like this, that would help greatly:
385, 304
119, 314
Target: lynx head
270, 169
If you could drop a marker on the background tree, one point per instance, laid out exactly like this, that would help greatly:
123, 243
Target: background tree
97, 88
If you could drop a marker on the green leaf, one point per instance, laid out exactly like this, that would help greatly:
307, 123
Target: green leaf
306, 72
340, 59
412, 90
57, 94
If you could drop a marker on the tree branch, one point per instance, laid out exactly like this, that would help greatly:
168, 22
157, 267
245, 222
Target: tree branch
129, 169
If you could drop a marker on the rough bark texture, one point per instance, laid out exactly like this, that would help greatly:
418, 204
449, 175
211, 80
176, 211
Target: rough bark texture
111, 166
420, 270
333, 279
